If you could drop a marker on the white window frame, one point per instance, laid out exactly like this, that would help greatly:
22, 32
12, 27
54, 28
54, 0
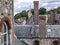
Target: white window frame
4, 33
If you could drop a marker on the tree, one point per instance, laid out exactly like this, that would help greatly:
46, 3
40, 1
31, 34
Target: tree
42, 11
21, 14
24, 14
17, 16
58, 10
48, 12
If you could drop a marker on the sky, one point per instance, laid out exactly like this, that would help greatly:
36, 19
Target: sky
20, 5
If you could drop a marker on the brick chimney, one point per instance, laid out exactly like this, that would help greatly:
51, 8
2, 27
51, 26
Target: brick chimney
42, 25
36, 12
53, 17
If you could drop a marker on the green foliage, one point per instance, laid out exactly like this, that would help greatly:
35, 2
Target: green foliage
21, 14
42, 11
48, 12
17, 16
58, 10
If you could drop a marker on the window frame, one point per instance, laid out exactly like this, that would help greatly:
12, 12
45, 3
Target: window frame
4, 41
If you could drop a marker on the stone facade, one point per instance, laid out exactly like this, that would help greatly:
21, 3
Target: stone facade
38, 29
6, 15
53, 17
42, 41
42, 25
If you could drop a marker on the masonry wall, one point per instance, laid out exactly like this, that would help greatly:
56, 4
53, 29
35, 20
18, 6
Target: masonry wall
42, 25
6, 9
36, 18
41, 41
53, 17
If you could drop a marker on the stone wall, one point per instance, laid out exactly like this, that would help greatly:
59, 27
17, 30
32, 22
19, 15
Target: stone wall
42, 25
53, 17
6, 9
41, 41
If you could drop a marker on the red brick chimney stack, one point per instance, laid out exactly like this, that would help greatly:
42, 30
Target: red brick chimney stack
36, 12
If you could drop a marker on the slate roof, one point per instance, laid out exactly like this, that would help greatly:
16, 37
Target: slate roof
19, 42
31, 30
25, 31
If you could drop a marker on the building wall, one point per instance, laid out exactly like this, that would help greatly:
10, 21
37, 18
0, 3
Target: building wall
6, 10
41, 41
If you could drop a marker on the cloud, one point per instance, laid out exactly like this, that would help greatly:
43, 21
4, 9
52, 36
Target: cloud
54, 1
20, 5
44, 4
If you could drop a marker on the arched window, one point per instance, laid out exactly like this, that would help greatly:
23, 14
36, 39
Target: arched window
4, 40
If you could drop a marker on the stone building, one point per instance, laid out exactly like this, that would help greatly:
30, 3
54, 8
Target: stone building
37, 26
41, 41
45, 33
6, 22
37, 29
21, 21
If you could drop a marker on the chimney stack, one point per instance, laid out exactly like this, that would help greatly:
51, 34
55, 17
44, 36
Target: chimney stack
53, 17
36, 12
42, 25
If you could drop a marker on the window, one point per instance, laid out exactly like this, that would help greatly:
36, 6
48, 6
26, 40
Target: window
4, 39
